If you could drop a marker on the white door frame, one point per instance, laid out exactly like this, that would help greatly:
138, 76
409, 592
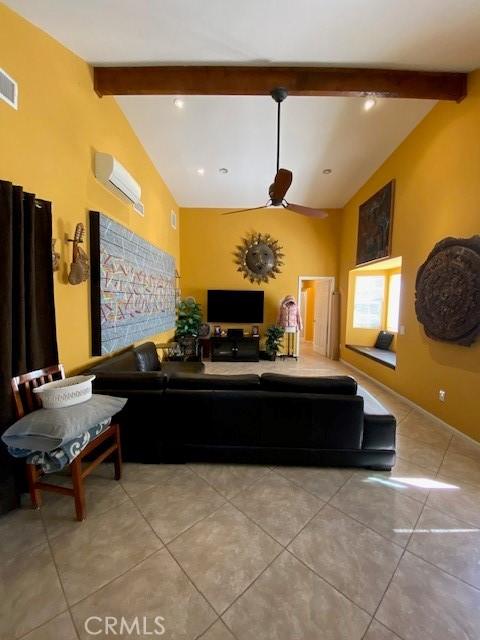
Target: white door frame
299, 291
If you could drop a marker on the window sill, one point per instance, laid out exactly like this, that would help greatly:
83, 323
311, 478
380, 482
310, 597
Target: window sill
383, 356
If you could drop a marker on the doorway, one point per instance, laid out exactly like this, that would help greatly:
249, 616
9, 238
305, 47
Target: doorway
315, 297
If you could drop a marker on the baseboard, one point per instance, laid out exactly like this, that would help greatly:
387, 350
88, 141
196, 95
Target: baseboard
413, 404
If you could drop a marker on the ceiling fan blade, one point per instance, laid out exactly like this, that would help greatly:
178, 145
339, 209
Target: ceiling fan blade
280, 185
229, 213
306, 211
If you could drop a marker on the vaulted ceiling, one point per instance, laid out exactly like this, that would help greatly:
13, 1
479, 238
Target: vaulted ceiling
238, 133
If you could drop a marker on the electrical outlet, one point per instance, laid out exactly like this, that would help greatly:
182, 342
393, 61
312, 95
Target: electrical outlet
442, 394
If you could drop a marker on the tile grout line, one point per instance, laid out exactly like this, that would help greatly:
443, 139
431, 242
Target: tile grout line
311, 492
184, 530
367, 526
397, 566
232, 504
120, 575
432, 564
60, 581
285, 549
33, 546
91, 517
347, 597
165, 546
57, 571
190, 580
202, 633
268, 565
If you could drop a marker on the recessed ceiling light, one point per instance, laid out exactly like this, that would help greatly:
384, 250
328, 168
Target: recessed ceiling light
369, 104
327, 172
223, 170
179, 103
201, 171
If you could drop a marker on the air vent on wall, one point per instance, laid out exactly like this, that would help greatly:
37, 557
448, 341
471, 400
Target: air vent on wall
8, 89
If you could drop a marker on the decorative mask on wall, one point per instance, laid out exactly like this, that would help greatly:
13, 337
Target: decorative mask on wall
447, 296
259, 257
80, 267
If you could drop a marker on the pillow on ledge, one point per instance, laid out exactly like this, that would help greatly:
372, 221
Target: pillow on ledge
205, 381
344, 385
384, 340
47, 429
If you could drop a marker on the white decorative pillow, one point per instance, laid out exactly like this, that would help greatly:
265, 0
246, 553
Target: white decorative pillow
47, 429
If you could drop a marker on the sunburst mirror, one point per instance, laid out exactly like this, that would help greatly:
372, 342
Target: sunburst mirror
259, 257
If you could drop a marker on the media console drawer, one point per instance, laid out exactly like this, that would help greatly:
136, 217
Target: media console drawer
234, 349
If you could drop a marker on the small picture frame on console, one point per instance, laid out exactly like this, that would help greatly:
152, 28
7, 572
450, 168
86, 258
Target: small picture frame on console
255, 332
217, 330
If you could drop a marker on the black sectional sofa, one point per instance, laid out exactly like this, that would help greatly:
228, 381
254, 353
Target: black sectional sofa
179, 414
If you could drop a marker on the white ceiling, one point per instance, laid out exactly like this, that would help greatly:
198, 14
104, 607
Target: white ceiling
239, 132
427, 34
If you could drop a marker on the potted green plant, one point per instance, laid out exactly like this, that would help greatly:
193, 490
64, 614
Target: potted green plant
189, 320
274, 337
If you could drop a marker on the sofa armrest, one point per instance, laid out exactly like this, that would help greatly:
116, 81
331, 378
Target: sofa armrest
126, 380
379, 432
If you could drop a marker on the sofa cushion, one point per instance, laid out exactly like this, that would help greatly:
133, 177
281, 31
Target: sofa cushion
209, 381
125, 361
126, 380
312, 420
182, 366
146, 357
344, 385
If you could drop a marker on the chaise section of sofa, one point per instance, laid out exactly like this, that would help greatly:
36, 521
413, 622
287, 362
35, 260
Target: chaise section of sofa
277, 419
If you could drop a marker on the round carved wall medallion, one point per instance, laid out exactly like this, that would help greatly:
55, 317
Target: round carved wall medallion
447, 296
259, 257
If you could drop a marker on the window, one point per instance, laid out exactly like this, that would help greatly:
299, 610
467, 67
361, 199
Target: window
368, 303
393, 302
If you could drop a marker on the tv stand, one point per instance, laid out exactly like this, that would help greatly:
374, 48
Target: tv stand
245, 349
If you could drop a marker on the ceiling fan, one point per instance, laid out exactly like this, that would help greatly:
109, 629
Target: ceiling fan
283, 177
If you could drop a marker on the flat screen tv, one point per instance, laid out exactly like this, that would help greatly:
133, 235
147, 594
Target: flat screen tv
234, 306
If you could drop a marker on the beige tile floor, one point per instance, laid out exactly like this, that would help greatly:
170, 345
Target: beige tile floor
230, 552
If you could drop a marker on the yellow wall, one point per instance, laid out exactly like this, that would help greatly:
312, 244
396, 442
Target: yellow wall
437, 171
47, 146
309, 289
208, 241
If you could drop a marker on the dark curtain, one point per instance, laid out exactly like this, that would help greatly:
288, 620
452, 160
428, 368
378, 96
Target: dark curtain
27, 312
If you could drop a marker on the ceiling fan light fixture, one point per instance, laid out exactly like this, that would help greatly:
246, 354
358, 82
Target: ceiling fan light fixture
369, 104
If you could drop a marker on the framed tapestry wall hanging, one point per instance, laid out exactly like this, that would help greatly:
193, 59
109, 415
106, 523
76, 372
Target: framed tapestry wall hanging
375, 222
132, 286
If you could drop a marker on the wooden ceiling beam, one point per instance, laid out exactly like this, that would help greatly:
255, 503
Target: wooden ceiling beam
299, 81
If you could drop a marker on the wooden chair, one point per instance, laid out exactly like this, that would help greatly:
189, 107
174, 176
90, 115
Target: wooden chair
25, 402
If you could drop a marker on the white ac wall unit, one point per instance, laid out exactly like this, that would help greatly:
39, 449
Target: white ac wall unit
116, 178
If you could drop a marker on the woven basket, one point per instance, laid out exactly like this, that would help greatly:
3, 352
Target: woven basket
65, 393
